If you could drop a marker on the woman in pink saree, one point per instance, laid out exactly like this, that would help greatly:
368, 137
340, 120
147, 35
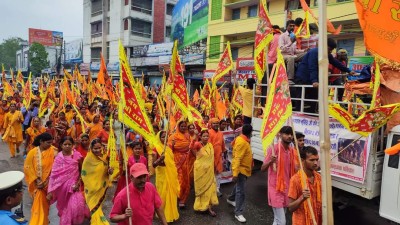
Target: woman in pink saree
64, 185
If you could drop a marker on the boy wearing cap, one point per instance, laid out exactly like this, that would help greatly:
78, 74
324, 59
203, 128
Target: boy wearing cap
143, 198
11, 193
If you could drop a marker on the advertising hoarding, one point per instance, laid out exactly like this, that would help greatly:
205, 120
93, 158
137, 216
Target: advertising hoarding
45, 37
189, 21
245, 69
73, 51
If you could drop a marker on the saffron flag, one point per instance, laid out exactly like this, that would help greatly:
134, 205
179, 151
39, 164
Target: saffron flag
67, 74
278, 107
375, 85
104, 79
262, 39
225, 64
304, 30
133, 113
83, 121
380, 21
20, 78
44, 104
368, 122
331, 29
8, 89
27, 92
237, 99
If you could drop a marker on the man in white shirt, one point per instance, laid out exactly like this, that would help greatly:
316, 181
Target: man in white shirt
288, 46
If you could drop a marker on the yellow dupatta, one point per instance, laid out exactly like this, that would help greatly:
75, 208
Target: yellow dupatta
167, 183
96, 181
204, 169
11, 134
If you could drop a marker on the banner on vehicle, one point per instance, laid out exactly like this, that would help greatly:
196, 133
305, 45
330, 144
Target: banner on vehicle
351, 164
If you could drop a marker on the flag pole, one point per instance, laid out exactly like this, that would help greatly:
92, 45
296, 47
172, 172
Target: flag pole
325, 145
169, 115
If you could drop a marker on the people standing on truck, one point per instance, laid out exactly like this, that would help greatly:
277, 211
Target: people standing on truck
299, 194
242, 163
288, 46
307, 72
281, 163
247, 95
341, 56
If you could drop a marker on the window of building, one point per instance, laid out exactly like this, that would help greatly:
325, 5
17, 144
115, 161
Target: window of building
216, 9
168, 31
144, 6
108, 5
295, 4
141, 28
170, 8
235, 14
107, 52
347, 44
95, 54
235, 53
126, 2
96, 28
126, 24
214, 49
253, 11
393, 161
97, 7
108, 25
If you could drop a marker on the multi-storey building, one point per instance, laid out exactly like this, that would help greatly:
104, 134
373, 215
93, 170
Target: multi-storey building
134, 22
236, 21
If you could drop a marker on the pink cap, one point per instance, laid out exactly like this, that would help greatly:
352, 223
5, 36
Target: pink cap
138, 169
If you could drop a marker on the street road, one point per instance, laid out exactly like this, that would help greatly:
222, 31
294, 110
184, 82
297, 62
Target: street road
257, 211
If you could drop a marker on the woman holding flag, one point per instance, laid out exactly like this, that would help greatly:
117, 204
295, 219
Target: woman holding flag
167, 182
95, 175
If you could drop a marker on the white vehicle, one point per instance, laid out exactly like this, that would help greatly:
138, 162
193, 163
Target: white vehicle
362, 169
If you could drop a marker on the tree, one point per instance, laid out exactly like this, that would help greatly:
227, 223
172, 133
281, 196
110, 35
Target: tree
38, 58
8, 50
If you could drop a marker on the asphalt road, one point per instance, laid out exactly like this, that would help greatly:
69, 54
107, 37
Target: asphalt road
257, 211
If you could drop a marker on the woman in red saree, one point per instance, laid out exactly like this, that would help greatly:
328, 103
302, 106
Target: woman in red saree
83, 145
64, 184
179, 143
37, 168
104, 133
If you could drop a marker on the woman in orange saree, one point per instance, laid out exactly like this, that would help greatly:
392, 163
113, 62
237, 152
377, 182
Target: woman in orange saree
32, 132
13, 129
37, 168
91, 112
94, 128
3, 110
179, 143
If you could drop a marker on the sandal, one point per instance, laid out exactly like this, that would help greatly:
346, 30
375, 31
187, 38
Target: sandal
212, 213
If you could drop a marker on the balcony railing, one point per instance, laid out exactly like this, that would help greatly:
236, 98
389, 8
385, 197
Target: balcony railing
98, 34
142, 10
141, 34
97, 13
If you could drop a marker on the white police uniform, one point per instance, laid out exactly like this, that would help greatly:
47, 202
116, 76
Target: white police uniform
8, 179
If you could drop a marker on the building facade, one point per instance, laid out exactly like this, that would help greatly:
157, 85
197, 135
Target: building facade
236, 21
134, 22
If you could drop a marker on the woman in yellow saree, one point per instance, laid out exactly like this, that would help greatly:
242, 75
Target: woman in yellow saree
37, 168
205, 185
13, 129
96, 179
167, 182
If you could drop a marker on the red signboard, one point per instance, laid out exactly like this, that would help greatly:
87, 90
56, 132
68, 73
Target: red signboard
45, 37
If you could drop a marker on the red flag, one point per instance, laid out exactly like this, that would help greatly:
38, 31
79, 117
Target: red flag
262, 39
279, 106
330, 27
225, 64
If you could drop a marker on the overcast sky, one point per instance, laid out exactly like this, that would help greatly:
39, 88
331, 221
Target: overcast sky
17, 16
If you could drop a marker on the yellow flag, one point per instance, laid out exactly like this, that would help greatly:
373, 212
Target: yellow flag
79, 115
112, 150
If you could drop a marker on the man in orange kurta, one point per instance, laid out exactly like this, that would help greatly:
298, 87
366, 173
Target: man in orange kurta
179, 143
217, 141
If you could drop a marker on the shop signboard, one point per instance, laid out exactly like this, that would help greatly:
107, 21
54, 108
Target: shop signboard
189, 21
45, 37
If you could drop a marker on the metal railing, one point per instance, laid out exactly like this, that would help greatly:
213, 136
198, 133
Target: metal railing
142, 10
141, 34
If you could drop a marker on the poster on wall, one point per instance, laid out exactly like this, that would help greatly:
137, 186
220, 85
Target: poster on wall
73, 51
189, 22
245, 69
350, 164
356, 63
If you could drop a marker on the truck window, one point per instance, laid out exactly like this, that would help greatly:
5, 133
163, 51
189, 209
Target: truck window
393, 161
